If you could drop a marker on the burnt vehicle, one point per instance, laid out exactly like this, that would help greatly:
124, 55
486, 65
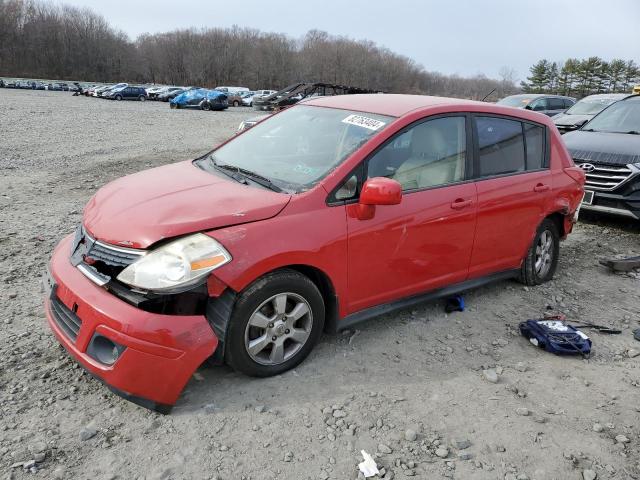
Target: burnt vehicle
201, 98
584, 110
608, 150
294, 93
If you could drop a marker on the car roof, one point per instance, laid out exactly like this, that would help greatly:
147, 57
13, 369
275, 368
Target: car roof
394, 105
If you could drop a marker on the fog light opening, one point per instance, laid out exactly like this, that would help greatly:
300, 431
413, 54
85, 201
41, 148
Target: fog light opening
104, 350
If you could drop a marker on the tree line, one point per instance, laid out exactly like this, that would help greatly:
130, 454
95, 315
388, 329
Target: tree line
57, 41
579, 78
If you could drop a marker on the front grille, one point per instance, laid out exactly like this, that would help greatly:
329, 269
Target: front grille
606, 177
85, 248
114, 256
67, 320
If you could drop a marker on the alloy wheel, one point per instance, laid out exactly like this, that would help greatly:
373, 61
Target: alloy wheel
544, 253
278, 329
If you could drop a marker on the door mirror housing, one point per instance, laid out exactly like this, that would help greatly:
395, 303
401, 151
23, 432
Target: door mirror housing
381, 191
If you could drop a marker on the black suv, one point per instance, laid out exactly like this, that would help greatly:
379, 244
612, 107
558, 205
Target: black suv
126, 93
608, 150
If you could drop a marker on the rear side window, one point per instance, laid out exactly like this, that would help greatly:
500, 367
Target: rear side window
500, 146
534, 144
556, 104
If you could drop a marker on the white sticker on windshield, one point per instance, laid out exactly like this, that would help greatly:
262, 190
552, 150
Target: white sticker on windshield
365, 122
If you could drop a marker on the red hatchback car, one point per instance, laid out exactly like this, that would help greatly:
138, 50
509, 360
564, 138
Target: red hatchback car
324, 215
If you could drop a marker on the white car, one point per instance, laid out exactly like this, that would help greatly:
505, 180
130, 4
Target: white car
247, 100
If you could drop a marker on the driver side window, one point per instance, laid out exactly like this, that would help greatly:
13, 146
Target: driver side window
429, 154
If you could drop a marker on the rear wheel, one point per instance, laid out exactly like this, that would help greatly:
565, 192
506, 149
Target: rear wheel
205, 106
172, 105
236, 103
541, 261
142, 98
275, 324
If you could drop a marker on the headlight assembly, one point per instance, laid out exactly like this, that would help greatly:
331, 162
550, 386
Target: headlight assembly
176, 266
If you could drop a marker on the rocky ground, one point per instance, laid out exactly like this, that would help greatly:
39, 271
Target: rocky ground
430, 395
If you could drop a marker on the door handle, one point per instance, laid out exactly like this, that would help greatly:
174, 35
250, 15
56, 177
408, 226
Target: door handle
460, 203
541, 187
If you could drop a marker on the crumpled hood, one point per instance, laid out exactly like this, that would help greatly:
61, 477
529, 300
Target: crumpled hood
603, 147
141, 209
570, 120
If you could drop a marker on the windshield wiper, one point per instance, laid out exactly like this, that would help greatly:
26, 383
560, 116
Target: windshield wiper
256, 177
633, 132
589, 130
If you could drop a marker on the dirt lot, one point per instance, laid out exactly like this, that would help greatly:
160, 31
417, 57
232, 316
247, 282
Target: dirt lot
409, 386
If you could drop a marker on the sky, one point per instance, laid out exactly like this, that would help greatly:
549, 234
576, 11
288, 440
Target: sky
464, 37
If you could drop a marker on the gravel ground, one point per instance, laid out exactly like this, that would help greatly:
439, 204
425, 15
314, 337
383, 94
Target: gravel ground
413, 388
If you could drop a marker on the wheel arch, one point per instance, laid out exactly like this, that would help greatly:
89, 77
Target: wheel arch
220, 309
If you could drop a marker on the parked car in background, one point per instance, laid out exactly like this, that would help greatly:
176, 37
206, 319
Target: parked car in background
234, 99
247, 98
170, 94
201, 98
196, 259
250, 122
636, 90
584, 110
237, 90
152, 92
126, 93
156, 93
548, 104
294, 93
607, 148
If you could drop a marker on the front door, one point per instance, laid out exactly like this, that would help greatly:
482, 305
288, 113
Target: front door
425, 242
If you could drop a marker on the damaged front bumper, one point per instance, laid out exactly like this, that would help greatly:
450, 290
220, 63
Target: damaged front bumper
145, 357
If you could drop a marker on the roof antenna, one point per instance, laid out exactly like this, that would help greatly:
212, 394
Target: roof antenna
487, 95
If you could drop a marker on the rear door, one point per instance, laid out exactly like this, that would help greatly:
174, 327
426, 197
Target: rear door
513, 185
555, 106
424, 242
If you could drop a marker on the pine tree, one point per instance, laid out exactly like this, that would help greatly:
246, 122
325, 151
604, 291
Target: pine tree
615, 75
538, 81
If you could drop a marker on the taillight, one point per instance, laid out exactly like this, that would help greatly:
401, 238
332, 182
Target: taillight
577, 174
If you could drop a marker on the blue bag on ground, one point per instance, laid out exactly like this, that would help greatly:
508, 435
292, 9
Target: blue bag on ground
556, 337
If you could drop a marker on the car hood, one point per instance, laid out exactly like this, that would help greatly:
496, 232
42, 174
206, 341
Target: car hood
141, 209
570, 120
603, 147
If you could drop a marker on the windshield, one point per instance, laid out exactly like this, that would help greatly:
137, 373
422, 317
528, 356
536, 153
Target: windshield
518, 101
621, 117
590, 106
298, 147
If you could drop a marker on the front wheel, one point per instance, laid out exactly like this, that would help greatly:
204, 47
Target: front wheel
142, 98
118, 97
236, 103
206, 106
275, 324
541, 261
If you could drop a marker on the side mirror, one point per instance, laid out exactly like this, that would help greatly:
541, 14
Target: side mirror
528, 107
381, 191
375, 191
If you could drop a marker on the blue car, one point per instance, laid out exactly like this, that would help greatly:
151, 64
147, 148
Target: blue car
201, 98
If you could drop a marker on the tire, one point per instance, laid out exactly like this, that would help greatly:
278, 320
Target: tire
205, 106
118, 97
259, 319
236, 103
142, 98
172, 105
541, 261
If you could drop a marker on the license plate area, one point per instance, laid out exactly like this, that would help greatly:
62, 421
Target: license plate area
588, 197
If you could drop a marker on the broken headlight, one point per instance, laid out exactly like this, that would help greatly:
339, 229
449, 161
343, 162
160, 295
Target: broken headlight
176, 266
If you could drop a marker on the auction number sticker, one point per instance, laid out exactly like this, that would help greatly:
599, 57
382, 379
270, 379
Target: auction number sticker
365, 122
